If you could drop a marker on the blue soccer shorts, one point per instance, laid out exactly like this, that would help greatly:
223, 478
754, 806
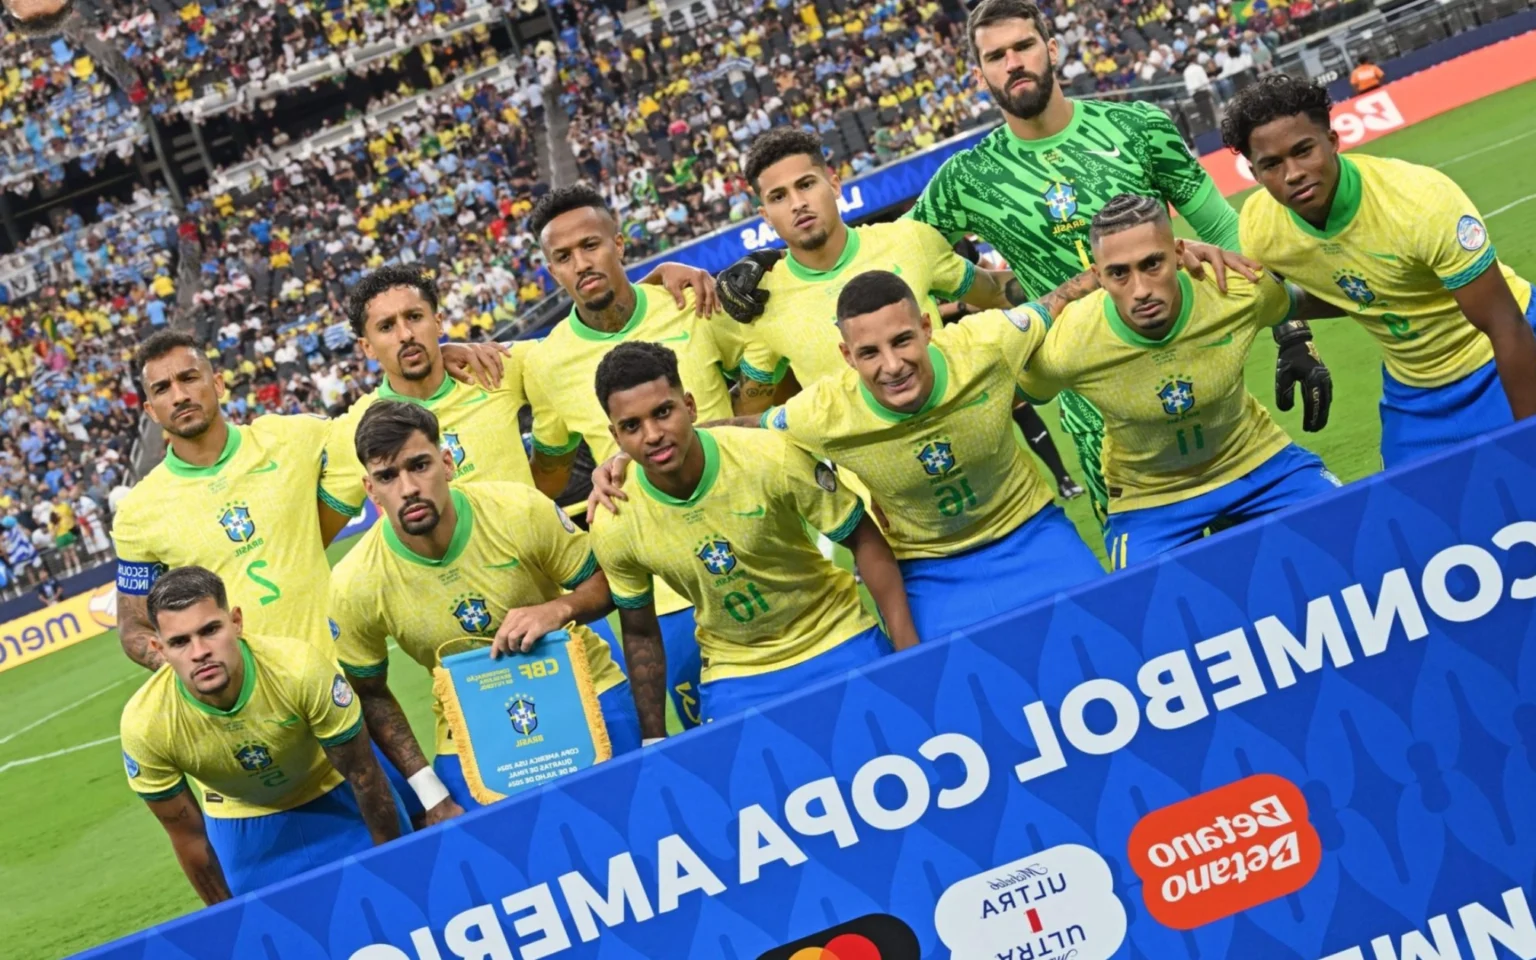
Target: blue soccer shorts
1291, 476
683, 660
1418, 421
255, 852
619, 716
1040, 558
726, 698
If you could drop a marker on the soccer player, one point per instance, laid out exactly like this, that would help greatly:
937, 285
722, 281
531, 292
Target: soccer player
1187, 447
268, 733
721, 519
585, 253
1399, 248
1031, 187
242, 501
482, 559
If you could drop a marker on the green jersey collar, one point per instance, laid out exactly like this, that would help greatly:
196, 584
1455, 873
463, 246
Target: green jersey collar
1346, 203
711, 471
802, 272
935, 396
1127, 333
585, 332
1055, 139
182, 468
247, 687
461, 531
386, 392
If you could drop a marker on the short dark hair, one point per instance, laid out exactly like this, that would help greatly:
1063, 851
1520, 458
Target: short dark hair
989, 12
631, 364
1272, 97
380, 280
564, 200
387, 424
870, 291
160, 343
1123, 212
778, 144
182, 588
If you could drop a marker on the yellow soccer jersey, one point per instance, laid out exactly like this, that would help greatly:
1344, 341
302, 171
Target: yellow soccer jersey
1178, 420
512, 548
764, 598
798, 328
263, 755
952, 476
251, 518
1399, 239
478, 425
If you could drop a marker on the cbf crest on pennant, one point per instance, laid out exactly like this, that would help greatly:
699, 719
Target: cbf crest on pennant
524, 719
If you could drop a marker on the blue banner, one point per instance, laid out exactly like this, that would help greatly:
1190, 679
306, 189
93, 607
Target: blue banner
899, 182
1313, 736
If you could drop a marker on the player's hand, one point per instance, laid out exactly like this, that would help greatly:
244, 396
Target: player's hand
445, 810
1298, 363
738, 285
677, 277
608, 485
1197, 255
522, 627
479, 363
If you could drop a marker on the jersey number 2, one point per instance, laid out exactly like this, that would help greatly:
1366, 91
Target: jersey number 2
273, 592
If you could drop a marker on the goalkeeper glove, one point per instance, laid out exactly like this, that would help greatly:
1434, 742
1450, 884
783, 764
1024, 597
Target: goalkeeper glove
1299, 363
737, 285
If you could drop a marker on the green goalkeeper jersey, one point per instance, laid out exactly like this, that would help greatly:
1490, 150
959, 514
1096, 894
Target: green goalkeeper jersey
1033, 200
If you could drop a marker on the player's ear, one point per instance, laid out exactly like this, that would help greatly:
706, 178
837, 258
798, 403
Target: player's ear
842, 347
447, 455
237, 620
1178, 250
693, 408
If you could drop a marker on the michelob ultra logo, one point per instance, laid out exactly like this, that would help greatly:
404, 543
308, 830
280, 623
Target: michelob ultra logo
1057, 903
1225, 851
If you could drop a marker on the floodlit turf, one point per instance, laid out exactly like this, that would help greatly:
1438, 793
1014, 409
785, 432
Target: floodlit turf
84, 862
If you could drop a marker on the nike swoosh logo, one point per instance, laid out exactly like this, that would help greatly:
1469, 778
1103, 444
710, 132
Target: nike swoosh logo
896, 269
267, 467
505, 566
480, 397
1385, 256
985, 396
1105, 153
1217, 343
754, 514
681, 336
286, 723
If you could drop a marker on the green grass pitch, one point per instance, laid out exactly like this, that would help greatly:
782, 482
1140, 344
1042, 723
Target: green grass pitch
84, 862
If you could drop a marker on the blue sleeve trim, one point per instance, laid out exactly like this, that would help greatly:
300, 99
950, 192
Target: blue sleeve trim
135, 578
634, 603
571, 444
345, 736
586, 573
163, 794
345, 509
845, 529
1461, 278
764, 376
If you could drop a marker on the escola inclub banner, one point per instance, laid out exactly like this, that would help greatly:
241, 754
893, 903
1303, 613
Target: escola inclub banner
1310, 737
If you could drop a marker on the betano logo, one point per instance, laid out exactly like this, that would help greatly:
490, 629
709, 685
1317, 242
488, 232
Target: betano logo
64, 624
878, 936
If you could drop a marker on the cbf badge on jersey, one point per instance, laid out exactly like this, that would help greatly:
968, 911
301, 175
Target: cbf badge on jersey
525, 719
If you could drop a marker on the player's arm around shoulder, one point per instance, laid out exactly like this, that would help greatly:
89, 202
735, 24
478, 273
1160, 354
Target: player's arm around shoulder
137, 568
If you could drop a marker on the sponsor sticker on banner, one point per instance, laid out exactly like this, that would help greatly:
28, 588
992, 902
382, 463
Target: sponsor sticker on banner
878, 936
1059, 902
1224, 851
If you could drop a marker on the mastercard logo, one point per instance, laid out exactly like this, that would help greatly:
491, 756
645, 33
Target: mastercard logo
878, 936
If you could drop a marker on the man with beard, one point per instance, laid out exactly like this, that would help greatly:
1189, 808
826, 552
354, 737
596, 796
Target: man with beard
488, 560
1031, 188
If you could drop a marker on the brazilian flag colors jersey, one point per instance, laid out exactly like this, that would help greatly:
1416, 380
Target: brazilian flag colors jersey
798, 327
1178, 419
512, 547
562, 368
263, 755
764, 598
1033, 200
478, 425
1399, 238
251, 517
950, 477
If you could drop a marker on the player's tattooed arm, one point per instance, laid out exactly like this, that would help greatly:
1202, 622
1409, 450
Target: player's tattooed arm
1074, 289
135, 632
183, 823
646, 660
752, 397
387, 724
551, 473
355, 761
995, 290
